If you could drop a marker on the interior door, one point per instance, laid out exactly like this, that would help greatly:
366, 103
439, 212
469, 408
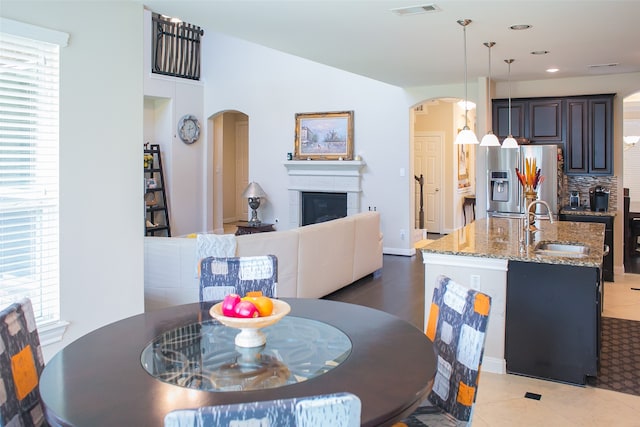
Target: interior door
428, 162
242, 167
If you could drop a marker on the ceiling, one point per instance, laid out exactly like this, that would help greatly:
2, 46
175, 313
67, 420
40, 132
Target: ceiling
366, 38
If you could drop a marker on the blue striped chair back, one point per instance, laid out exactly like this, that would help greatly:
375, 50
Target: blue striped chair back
330, 410
239, 275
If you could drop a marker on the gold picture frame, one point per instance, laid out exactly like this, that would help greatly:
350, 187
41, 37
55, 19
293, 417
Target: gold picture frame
324, 136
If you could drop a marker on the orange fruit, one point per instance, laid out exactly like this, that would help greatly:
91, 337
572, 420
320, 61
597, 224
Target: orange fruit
263, 304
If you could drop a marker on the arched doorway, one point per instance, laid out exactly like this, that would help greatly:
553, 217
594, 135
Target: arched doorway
448, 171
631, 176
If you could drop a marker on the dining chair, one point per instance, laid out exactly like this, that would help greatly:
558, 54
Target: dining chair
457, 325
223, 276
328, 410
21, 363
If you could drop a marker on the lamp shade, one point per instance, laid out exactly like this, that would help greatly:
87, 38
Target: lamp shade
510, 142
490, 140
253, 190
465, 137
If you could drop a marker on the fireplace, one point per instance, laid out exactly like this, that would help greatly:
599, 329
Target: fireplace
320, 207
329, 177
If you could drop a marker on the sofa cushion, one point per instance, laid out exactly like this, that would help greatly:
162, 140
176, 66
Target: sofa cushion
325, 257
282, 244
368, 245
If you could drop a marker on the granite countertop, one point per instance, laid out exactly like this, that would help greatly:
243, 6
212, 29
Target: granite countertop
586, 212
499, 238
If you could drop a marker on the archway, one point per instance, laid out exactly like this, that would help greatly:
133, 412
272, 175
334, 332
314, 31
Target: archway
448, 171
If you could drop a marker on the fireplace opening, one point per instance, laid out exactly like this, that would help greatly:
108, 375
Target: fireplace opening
321, 207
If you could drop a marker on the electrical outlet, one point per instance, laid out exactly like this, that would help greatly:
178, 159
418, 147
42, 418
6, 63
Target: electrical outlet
402, 234
474, 281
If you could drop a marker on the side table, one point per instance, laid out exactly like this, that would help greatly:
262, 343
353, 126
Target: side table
245, 228
469, 201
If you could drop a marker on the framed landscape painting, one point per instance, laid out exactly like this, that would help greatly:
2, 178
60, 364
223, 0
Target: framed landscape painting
324, 136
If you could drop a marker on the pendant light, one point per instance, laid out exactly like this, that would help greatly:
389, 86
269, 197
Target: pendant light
509, 142
490, 140
465, 136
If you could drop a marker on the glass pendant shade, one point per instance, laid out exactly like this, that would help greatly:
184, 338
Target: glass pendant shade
510, 142
490, 140
466, 137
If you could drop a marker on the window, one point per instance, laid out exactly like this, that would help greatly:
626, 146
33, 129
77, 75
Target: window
29, 142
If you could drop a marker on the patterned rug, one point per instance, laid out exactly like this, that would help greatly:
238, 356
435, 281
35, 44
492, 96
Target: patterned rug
620, 356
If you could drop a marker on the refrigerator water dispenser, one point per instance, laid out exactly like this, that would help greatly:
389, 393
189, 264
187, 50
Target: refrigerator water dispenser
499, 186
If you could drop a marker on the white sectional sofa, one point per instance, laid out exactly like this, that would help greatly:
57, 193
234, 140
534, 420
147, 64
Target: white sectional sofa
313, 260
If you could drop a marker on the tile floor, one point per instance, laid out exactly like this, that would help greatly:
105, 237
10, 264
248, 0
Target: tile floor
501, 400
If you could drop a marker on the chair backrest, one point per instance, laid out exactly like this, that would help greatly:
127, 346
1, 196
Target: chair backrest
329, 410
223, 276
457, 326
21, 363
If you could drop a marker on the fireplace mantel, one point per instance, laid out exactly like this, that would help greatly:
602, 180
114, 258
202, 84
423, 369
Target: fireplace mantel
330, 176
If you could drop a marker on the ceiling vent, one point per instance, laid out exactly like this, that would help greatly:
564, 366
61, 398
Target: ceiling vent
415, 10
611, 64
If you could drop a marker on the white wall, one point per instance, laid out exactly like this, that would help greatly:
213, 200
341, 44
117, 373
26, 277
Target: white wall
183, 164
271, 87
101, 209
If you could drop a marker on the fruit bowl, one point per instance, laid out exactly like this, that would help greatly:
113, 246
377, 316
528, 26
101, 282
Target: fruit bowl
250, 334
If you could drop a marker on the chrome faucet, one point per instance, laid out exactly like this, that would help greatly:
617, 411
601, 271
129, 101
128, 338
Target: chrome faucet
527, 219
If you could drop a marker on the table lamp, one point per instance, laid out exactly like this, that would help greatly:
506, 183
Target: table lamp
253, 193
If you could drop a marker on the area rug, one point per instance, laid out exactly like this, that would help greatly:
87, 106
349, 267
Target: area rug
619, 357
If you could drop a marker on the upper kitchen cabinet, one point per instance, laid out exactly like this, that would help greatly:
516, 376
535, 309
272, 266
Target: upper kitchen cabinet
538, 120
589, 140
545, 121
582, 124
500, 116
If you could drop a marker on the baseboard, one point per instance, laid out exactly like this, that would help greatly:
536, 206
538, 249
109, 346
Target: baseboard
494, 365
399, 251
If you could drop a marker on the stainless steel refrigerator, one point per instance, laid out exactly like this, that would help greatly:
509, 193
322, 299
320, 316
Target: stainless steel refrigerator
505, 193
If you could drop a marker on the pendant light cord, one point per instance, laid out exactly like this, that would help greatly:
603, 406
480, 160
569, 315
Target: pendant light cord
466, 100
509, 61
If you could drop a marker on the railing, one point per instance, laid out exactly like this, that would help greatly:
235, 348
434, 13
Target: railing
176, 48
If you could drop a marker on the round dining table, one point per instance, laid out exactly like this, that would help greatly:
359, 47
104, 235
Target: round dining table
124, 374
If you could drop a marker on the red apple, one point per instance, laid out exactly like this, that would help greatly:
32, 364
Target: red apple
246, 309
229, 304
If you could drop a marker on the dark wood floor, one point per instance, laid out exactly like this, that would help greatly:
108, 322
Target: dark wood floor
398, 289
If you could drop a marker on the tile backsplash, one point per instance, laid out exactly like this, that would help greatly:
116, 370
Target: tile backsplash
584, 183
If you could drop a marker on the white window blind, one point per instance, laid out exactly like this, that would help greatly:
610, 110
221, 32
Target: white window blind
29, 140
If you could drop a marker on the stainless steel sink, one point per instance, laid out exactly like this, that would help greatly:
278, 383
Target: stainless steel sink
571, 250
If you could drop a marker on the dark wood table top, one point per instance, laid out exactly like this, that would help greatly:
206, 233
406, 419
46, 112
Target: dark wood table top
99, 380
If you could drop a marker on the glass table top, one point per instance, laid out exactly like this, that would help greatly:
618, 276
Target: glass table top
204, 356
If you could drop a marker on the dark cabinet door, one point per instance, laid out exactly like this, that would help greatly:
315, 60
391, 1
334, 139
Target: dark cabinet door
545, 121
601, 136
577, 151
501, 118
589, 142
552, 321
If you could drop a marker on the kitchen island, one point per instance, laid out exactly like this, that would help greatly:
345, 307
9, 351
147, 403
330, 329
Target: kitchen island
488, 255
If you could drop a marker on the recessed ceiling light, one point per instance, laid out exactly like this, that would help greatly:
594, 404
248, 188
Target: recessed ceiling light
539, 52
415, 10
518, 27
552, 70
